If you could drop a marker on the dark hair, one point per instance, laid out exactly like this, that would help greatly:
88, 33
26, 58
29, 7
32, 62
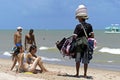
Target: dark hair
31, 30
32, 47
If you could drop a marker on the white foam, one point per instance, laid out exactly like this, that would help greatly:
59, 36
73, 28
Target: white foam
110, 50
50, 59
43, 48
6, 53
109, 61
46, 48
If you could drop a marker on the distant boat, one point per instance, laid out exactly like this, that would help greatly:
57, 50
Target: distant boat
114, 28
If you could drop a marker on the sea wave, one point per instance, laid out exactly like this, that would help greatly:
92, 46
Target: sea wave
46, 48
110, 50
50, 59
7, 53
110, 61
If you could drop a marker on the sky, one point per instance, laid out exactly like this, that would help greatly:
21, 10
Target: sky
56, 14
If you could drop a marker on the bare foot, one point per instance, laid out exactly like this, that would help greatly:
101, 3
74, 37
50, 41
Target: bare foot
76, 75
43, 71
51, 73
85, 76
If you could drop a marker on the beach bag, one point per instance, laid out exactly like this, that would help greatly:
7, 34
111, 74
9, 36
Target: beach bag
59, 44
66, 47
90, 55
72, 49
65, 50
91, 46
81, 44
72, 46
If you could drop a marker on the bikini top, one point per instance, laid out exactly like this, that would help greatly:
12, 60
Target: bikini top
24, 59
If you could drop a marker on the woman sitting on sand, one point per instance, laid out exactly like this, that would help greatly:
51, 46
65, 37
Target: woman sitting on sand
23, 65
33, 60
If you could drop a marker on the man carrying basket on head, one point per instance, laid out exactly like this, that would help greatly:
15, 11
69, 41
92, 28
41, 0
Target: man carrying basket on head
83, 31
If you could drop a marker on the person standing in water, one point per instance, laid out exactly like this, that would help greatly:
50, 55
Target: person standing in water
18, 37
29, 40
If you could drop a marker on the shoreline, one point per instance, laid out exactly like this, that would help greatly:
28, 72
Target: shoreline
91, 65
56, 72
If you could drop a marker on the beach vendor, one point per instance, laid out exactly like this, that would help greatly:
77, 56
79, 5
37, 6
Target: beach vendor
18, 37
29, 40
83, 31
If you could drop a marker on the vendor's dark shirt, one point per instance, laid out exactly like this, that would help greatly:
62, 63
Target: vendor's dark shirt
80, 32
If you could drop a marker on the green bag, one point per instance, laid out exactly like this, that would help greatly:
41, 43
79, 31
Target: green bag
81, 44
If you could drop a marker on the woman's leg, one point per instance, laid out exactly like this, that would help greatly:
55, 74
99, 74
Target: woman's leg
40, 63
34, 65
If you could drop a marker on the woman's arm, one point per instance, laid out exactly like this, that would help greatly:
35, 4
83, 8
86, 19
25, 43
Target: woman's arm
30, 59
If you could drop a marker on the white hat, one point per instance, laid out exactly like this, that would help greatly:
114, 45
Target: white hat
81, 11
19, 27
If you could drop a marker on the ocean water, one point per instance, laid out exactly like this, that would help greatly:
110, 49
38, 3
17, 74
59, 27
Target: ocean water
106, 55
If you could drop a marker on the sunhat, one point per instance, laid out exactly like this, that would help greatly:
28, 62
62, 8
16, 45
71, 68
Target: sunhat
81, 12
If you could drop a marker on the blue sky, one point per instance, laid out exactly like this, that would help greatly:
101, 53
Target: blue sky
56, 14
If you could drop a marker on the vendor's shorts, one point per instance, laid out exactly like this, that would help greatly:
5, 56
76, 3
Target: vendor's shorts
82, 58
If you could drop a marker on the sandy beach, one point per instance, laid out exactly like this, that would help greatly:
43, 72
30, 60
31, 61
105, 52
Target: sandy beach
56, 72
